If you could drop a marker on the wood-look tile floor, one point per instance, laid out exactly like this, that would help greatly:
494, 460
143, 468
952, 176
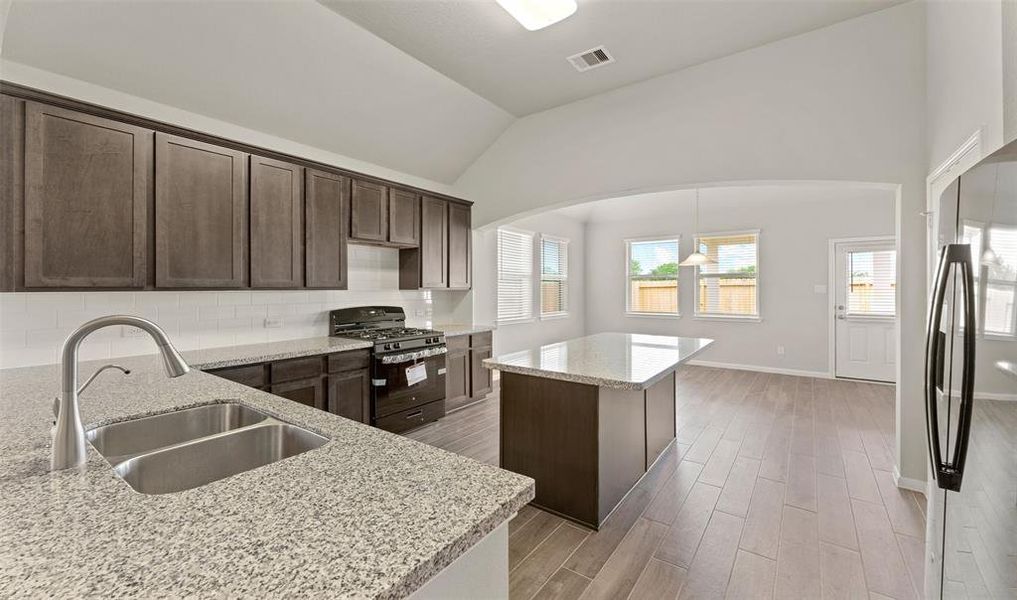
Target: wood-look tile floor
777, 487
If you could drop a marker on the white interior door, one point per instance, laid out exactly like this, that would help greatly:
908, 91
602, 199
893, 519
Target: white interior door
865, 301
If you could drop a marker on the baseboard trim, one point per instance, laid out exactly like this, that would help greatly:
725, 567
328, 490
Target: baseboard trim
759, 369
906, 483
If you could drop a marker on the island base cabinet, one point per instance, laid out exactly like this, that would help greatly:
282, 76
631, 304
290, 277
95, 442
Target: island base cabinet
586, 446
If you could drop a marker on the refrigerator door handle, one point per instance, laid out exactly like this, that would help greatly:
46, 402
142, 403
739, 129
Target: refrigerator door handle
948, 474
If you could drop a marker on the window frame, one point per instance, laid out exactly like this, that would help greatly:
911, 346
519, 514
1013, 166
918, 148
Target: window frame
677, 239
498, 278
711, 316
983, 281
564, 279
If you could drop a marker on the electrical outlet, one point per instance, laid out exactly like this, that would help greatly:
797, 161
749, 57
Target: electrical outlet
780, 350
273, 323
419, 312
131, 332
819, 288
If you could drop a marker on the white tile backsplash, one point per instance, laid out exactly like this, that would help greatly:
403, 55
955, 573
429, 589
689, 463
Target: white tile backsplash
33, 325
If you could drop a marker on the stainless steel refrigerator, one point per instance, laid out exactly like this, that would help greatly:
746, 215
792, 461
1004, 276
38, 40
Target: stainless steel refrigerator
971, 387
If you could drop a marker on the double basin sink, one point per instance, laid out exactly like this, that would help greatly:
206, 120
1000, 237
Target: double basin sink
189, 448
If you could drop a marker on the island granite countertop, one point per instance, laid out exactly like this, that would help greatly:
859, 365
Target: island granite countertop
628, 361
367, 515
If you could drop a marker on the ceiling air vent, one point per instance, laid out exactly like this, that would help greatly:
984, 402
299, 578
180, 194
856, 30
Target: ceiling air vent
591, 59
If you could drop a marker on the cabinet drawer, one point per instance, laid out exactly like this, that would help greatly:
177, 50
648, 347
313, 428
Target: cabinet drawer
349, 361
412, 418
297, 368
480, 340
251, 375
458, 343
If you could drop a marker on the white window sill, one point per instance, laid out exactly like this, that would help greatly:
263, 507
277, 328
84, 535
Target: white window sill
554, 316
516, 322
732, 318
643, 315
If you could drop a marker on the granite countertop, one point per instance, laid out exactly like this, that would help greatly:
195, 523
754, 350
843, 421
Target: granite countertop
367, 515
454, 329
233, 356
619, 360
1007, 366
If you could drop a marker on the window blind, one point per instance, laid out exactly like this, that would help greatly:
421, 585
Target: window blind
1000, 267
652, 277
515, 275
872, 283
554, 276
729, 286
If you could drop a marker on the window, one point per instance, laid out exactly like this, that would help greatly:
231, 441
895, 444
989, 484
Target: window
728, 287
994, 250
872, 283
554, 276
515, 275
652, 267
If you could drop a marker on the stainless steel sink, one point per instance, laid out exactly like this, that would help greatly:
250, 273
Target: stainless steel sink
191, 465
189, 448
119, 441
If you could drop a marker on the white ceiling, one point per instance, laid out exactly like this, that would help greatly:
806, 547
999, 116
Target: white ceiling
664, 206
295, 70
479, 45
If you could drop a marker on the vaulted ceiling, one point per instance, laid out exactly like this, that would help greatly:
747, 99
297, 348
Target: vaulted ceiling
295, 70
479, 45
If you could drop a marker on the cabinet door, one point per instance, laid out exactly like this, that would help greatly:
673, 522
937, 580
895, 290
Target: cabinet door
460, 259
327, 212
309, 392
457, 380
368, 211
660, 417
200, 214
480, 376
403, 218
433, 243
349, 395
87, 186
277, 224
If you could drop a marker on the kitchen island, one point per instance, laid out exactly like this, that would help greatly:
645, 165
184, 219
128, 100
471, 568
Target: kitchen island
588, 417
366, 515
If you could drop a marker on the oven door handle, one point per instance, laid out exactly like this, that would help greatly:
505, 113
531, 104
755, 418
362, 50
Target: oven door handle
395, 359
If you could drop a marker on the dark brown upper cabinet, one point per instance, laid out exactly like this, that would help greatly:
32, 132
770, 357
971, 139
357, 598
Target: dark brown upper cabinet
277, 224
403, 218
327, 211
368, 212
433, 243
200, 214
87, 189
460, 254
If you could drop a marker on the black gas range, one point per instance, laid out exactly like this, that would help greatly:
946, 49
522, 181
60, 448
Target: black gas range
407, 365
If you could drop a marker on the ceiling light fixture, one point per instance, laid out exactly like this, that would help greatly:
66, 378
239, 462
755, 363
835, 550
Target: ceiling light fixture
697, 258
538, 14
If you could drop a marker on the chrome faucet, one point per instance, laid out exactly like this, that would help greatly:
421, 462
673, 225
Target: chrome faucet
69, 435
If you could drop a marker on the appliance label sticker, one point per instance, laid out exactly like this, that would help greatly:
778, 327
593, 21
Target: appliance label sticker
416, 374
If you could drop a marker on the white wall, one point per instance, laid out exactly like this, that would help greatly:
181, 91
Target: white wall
516, 336
845, 102
795, 225
965, 75
33, 325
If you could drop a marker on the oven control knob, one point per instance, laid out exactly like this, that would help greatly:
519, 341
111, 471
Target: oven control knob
388, 346
397, 345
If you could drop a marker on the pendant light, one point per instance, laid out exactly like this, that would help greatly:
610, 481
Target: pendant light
697, 258
989, 258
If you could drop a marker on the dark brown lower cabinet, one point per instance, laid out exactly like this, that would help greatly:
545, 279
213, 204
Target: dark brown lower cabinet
309, 392
480, 376
339, 383
457, 379
586, 446
349, 395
